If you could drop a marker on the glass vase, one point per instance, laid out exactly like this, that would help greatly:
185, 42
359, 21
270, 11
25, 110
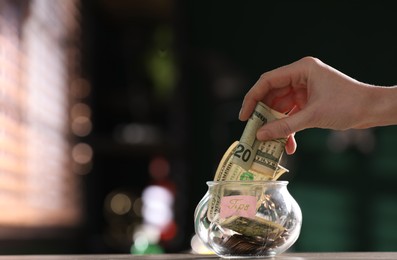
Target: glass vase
248, 219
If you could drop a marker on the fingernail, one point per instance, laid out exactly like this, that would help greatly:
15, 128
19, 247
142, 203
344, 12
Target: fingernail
241, 110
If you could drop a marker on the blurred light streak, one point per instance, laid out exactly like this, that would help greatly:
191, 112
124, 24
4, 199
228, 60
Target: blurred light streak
82, 153
156, 209
362, 139
81, 126
198, 247
120, 204
80, 88
159, 168
136, 133
80, 109
35, 71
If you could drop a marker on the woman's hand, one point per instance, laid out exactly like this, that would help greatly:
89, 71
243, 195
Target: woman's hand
314, 95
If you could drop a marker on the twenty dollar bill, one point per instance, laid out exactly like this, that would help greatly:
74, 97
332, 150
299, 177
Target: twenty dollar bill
253, 154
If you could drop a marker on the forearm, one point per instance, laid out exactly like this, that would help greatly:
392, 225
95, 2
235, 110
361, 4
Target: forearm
380, 106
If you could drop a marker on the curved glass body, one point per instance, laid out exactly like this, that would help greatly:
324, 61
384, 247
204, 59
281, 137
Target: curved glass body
248, 219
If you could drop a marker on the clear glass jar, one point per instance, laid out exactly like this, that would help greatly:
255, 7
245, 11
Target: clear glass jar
201, 221
248, 219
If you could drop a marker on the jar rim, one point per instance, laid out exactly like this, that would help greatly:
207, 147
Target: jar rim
268, 182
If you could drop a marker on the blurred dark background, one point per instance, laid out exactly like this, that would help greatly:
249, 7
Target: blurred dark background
167, 80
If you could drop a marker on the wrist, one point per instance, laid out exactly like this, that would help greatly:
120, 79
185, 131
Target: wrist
380, 106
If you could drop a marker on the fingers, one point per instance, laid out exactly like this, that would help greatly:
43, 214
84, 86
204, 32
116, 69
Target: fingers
288, 77
283, 127
284, 89
255, 94
290, 146
247, 108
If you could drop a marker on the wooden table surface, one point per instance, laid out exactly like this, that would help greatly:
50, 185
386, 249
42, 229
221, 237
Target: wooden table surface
285, 256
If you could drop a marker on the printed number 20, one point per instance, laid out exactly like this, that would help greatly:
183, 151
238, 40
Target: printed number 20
242, 153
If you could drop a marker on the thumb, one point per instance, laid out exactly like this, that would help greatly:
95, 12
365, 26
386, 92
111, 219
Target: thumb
283, 127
